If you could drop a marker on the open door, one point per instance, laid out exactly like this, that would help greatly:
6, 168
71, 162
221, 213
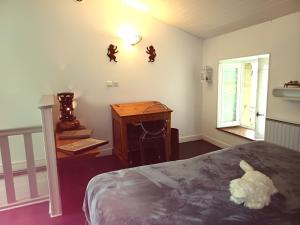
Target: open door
242, 96
261, 102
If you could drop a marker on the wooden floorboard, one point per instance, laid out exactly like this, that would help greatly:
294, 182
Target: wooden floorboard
194, 148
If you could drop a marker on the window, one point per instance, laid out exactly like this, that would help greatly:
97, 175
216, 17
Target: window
242, 92
229, 112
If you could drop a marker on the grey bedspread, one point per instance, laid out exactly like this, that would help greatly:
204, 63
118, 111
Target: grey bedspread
195, 191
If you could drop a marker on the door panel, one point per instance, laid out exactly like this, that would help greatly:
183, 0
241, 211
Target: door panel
229, 115
261, 103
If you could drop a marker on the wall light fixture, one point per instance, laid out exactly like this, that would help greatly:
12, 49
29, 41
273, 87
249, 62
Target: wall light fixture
206, 73
129, 35
132, 39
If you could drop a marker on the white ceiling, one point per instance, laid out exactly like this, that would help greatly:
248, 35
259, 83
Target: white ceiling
208, 18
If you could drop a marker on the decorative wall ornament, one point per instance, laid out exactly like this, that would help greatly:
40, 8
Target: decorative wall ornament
111, 51
151, 52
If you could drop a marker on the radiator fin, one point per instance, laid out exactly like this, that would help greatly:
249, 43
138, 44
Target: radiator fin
283, 134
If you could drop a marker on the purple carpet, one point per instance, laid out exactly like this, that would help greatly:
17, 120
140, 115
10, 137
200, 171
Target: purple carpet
74, 176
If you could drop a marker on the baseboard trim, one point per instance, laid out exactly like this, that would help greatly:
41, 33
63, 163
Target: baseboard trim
182, 139
188, 138
105, 152
214, 141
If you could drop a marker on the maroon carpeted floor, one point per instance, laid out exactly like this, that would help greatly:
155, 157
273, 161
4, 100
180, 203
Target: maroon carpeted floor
74, 176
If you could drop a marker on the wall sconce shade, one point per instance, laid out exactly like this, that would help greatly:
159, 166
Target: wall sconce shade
133, 39
129, 35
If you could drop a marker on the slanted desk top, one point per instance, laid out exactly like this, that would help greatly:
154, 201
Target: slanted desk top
131, 113
139, 108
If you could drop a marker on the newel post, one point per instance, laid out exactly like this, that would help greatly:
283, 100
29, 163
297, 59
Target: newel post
46, 107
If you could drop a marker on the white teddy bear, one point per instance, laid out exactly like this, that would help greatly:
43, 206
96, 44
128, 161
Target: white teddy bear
254, 189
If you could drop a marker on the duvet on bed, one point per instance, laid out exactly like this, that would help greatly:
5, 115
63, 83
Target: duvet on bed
195, 191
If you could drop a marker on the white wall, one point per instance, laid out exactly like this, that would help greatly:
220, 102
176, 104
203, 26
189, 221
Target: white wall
280, 38
49, 47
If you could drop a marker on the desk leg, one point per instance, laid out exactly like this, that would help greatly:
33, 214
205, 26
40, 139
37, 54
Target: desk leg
120, 140
124, 149
168, 141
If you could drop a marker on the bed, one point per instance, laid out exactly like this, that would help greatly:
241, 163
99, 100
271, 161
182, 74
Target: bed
195, 191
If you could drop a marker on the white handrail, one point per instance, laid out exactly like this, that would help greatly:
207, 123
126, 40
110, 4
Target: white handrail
21, 130
46, 101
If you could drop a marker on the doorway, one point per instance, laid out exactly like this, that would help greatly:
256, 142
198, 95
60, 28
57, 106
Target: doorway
242, 96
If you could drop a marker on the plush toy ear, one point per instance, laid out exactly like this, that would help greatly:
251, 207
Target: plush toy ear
245, 166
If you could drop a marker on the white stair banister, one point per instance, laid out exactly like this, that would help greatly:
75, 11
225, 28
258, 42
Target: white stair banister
30, 165
10, 174
7, 169
46, 107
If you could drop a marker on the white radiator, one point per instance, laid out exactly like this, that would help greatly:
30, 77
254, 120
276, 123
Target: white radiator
283, 133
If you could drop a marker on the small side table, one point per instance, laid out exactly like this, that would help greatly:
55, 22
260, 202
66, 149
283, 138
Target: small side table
93, 152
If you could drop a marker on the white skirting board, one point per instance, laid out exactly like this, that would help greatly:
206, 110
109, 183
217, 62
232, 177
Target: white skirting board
209, 139
195, 137
283, 133
215, 142
105, 152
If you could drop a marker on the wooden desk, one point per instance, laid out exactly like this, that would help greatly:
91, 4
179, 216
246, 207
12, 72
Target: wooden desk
93, 152
130, 113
